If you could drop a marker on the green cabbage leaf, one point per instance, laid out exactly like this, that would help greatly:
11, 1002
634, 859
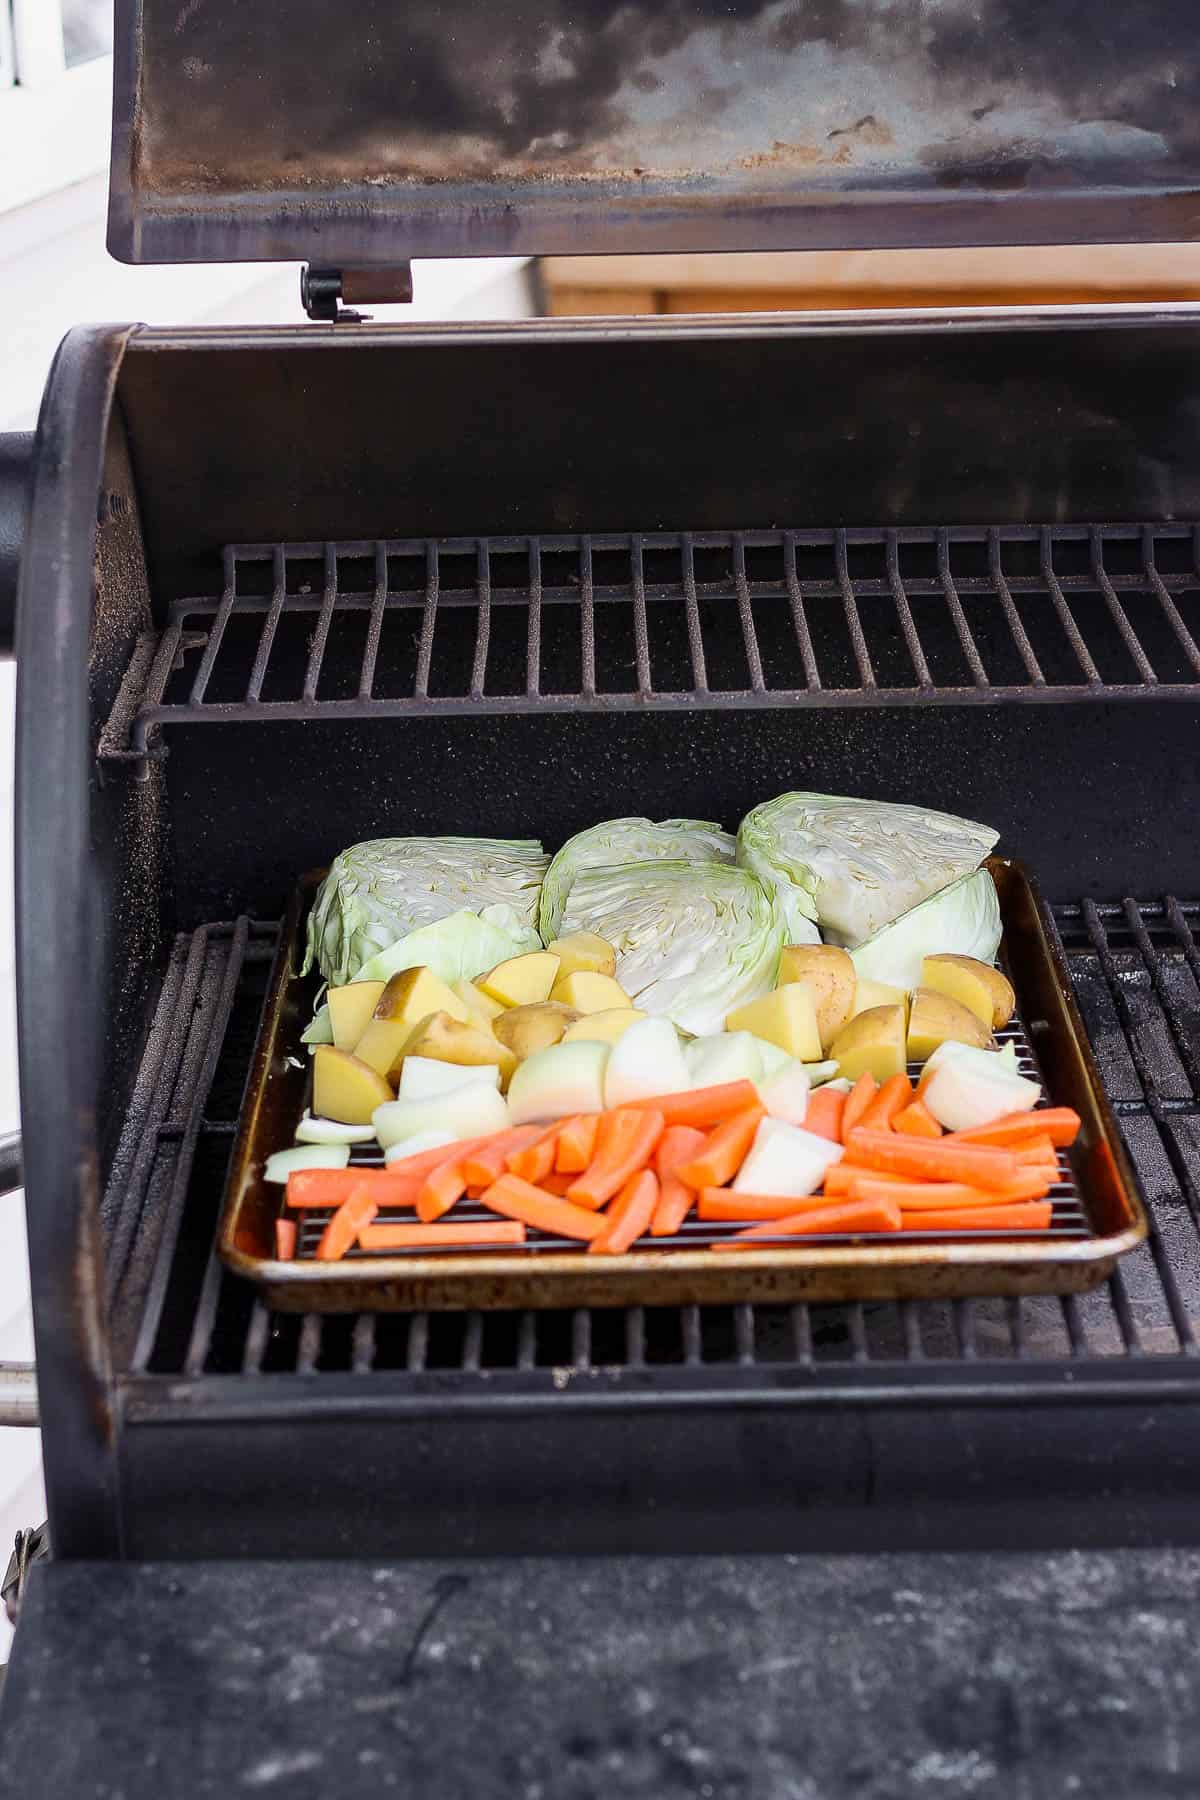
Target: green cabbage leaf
617, 841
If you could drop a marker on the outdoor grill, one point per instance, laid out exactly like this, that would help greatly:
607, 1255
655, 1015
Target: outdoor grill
282, 589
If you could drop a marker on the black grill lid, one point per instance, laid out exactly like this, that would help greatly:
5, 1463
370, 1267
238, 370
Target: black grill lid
368, 134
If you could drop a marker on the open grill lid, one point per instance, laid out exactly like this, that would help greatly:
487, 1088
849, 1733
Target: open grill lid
366, 135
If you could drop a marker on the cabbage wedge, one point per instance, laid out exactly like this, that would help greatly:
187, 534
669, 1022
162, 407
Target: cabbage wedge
627, 841
964, 919
693, 940
855, 865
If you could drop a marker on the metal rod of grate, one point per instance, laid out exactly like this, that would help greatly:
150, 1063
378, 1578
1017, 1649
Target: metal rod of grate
846, 617
1136, 968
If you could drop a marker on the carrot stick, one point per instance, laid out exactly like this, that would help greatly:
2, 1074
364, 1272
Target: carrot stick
356, 1210
1059, 1123
678, 1144
536, 1159
285, 1239
916, 1120
329, 1187
824, 1115
945, 1160
629, 1217
431, 1237
1033, 1215
557, 1185
944, 1196
486, 1164
724, 1151
704, 1107
625, 1142
576, 1143
517, 1199
424, 1160
852, 1216
723, 1203
891, 1099
1037, 1150
440, 1189
857, 1102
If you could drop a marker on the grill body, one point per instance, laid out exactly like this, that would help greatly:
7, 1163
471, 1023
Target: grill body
286, 589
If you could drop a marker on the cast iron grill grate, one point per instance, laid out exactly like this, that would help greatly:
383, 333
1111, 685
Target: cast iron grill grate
829, 618
1136, 968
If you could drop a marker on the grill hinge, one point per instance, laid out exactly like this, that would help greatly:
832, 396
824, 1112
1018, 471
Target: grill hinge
322, 291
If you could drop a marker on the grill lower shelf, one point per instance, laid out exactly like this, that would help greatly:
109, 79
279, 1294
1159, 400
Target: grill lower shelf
1136, 970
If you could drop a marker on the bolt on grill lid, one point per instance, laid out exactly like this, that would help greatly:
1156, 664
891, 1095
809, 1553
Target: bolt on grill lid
366, 135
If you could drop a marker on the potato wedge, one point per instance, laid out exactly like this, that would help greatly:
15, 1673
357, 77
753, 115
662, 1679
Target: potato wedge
350, 1010
450, 1041
962, 977
788, 1017
937, 1019
869, 994
590, 993
584, 953
345, 1088
872, 1041
602, 1027
526, 1029
830, 975
481, 1007
521, 980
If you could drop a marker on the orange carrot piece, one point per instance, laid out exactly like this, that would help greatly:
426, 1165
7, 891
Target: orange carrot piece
625, 1141
724, 1151
517, 1199
916, 1120
536, 1159
824, 1115
341, 1233
630, 1215
945, 1196
944, 1160
857, 1102
486, 1164
329, 1187
440, 1189
557, 1185
1030, 1215
704, 1107
432, 1237
576, 1143
424, 1160
850, 1216
285, 1239
892, 1098
1037, 1150
1059, 1123
678, 1144
722, 1203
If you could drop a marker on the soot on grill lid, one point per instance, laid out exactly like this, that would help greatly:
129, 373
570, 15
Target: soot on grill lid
400, 128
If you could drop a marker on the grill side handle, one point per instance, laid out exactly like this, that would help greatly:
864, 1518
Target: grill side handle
16, 460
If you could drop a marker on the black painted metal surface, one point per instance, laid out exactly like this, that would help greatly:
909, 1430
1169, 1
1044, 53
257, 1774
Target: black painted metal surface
479, 128
16, 452
739, 1678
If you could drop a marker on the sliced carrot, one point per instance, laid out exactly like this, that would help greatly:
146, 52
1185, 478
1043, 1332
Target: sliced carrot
851, 1216
357, 1209
943, 1160
723, 1203
1037, 1150
824, 1115
424, 1160
704, 1107
536, 1158
486, 1164
857, 1102
432, 1237
1033, 1215
440, 1189
629, 1216
916, 1120
678, 1144
625, 1141
285, 1239
517, 1199
944, 1196
557, 1185
891, 1099
1059, 1123
576, 1143
329, 1187
724, 1151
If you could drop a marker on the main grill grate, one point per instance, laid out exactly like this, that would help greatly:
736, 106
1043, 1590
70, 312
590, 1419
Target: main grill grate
515, 624
1136, 969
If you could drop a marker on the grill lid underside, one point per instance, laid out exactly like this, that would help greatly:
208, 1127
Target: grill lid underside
489, 127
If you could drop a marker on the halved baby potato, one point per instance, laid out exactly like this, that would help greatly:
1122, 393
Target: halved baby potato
937, 1019
521, 980
584, 952
448, 1040
830, 975
588, 992
350, 1010
526, 1029
345, 1088
872, 1042
987, 992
